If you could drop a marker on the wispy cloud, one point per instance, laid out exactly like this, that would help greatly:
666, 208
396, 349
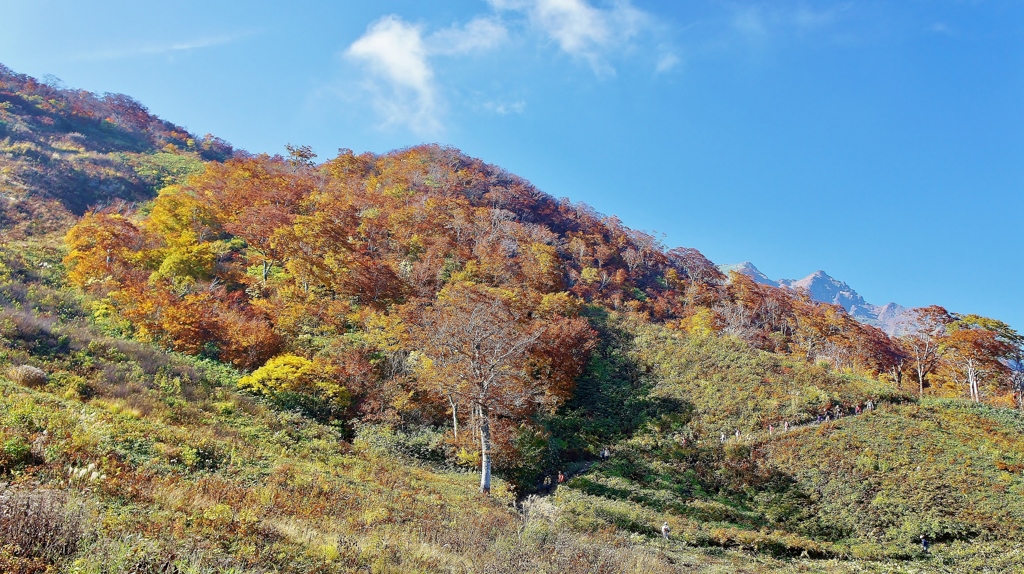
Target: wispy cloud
398, 56
667, 62
759, 22
808, 19
751, 22
481, 33
156, 49
505, 108
581, 29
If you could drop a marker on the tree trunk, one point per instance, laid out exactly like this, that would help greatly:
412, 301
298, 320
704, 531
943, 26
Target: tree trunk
972, 380
972, 376
455, 418
485, 451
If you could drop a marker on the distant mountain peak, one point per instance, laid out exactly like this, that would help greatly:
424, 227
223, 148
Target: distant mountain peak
825, 288
822, 287
747, 268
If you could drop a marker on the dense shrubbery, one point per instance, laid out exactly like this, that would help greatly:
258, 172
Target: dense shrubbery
291, 381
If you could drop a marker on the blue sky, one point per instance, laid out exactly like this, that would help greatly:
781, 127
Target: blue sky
880, 141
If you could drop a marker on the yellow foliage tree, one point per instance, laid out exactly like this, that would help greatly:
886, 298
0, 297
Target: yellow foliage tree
100, 247
701, 323
294, 374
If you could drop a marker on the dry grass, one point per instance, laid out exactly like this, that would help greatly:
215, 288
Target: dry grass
41, 524
27, 376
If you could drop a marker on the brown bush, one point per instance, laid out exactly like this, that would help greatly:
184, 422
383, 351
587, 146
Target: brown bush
11, 564
40, 524
27, 375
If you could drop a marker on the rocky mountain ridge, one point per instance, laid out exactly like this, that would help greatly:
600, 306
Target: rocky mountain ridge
891, 317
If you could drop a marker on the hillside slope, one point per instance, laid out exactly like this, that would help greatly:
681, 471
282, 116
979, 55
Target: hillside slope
866, 485
64, 151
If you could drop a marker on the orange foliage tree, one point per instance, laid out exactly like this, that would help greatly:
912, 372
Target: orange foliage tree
977, 350
924, 340
485, 351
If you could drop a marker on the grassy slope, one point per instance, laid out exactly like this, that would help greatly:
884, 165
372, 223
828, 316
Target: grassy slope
273, 492
863, 487
947, 469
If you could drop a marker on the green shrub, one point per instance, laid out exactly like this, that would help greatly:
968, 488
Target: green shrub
72, 387
203, 454
425, 444
15, 452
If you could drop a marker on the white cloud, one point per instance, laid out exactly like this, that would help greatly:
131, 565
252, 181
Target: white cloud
581, 29
201, 43
479, 34
398, 56
395, 53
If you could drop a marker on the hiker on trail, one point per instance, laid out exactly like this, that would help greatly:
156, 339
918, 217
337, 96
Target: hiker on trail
737, 434
786, 426
856, 409
547, 483
924, 544
561, 478
828, 417
722, 438
604, 453
664, 530
770, 429
870, 406
819, 418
